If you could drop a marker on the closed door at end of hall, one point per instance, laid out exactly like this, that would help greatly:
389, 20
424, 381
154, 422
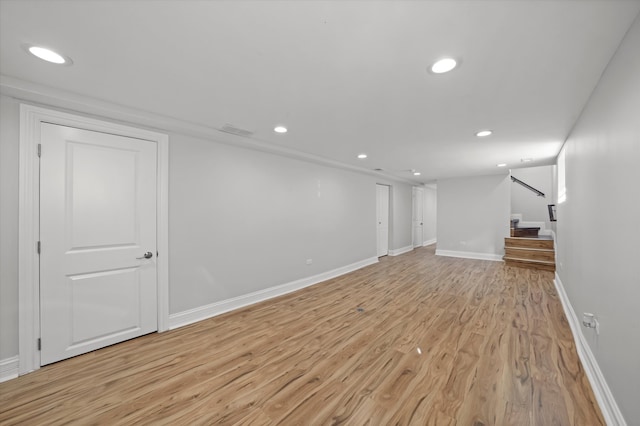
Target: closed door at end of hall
418, 224
382, 213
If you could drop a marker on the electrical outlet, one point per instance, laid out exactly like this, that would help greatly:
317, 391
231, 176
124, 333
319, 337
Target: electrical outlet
589, 321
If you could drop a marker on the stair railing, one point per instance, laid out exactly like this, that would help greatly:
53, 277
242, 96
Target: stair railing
529, 187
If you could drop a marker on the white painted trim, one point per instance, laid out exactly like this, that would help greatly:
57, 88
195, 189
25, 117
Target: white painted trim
28, 225
46, 95
470, 255
8, 368
402, 250
555, 248
610, 410
162, 237
28, 232
181, 319
429, 242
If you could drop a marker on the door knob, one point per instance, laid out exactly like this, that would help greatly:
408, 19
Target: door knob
147, 255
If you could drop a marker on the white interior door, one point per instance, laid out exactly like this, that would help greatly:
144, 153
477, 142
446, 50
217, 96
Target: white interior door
418, 217
97, 220
382, 212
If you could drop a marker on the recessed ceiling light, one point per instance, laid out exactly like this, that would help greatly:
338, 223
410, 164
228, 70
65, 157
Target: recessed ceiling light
484, 133
502, 165
280, 129
417, 173
362, 156
526, 160
48, 55
443, 65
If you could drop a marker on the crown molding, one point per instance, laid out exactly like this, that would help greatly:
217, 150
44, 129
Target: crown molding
47, 96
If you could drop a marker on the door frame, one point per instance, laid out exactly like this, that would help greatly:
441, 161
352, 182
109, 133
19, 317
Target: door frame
414, 191
31, 118
389, 218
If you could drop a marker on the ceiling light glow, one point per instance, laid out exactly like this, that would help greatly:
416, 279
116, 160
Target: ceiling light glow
502, 165
280, 129
362, 156
47, 55
443, 65
417, 173
484, 133
526, 160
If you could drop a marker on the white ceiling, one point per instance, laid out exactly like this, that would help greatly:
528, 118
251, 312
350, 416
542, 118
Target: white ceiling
344, 76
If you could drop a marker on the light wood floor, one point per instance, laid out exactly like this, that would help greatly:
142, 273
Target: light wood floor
437, 341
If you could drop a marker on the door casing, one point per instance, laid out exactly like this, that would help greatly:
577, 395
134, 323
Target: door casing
29, 220
417, 228
383, 204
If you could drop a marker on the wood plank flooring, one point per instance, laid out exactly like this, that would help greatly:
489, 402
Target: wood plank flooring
414, 339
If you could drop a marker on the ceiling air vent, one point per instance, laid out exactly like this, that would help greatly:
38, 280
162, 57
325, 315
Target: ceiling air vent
228, 128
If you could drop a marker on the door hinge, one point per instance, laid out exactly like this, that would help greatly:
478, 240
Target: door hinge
38, 247
39, 150
39, 344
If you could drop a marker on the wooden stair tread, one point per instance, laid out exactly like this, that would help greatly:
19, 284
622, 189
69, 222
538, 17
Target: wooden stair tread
523, 263
532, 253
529, 243
518, 259
530, 248
539, 237
525, 232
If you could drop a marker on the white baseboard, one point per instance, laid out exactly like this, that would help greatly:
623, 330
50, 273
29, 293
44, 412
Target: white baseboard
608, 405
470, 255
203, 312
429, 242
402, 250
8, 368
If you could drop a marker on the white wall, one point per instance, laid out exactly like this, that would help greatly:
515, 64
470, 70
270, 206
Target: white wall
9, 158
244, 220
473, 216
523, 201
598, 227
430, 215
401, 214
240, 220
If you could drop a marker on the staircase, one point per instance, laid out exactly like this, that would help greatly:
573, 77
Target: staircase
534, 253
